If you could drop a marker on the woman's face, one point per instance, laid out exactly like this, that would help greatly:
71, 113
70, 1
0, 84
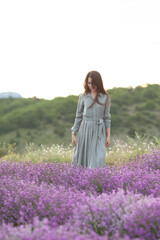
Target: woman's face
91, 87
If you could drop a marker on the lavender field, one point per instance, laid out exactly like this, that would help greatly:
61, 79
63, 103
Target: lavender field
52, 200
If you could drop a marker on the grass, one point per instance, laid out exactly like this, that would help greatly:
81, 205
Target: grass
45, 134
120, 151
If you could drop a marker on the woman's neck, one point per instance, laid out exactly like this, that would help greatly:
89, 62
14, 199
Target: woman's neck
93, 93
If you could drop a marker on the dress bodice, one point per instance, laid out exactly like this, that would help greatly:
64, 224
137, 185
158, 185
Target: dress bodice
97, 111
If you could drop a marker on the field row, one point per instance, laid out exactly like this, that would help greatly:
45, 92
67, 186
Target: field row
60, 201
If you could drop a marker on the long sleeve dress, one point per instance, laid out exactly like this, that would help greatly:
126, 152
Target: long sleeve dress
91, 124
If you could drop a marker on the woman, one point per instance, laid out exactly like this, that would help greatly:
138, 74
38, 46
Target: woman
92, 122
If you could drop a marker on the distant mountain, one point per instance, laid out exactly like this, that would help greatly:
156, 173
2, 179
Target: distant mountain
10, 94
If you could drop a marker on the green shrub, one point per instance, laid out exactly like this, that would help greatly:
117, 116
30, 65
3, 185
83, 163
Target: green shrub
150, 105
18, 134
59, 131
131, 132
3, 149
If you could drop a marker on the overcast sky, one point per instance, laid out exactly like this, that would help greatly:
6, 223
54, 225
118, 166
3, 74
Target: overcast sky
48, 46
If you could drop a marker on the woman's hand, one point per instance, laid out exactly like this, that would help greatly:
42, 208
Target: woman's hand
107, 142
74, 140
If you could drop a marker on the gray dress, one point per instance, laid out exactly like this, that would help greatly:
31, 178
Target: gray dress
91, 124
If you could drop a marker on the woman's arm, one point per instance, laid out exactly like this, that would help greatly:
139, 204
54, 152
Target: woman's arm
107, 117
108, 137
74, 140
78, 118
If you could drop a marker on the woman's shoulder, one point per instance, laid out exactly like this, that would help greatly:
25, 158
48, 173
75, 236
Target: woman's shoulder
82, 96
105, 98
104, 95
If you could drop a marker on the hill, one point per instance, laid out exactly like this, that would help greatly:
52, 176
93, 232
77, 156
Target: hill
10, 95
49, 121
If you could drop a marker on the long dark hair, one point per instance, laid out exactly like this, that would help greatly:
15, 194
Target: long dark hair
96, 82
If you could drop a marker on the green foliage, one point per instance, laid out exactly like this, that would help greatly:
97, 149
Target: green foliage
131, 132
28, 113
60, 131
156, 140
7, 149
150, 105
26, 120
18, 134
3, 149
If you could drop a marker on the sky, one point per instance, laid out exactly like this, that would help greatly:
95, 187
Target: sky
47, 47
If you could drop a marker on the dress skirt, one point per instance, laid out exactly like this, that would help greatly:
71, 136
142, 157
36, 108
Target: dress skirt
90, 150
